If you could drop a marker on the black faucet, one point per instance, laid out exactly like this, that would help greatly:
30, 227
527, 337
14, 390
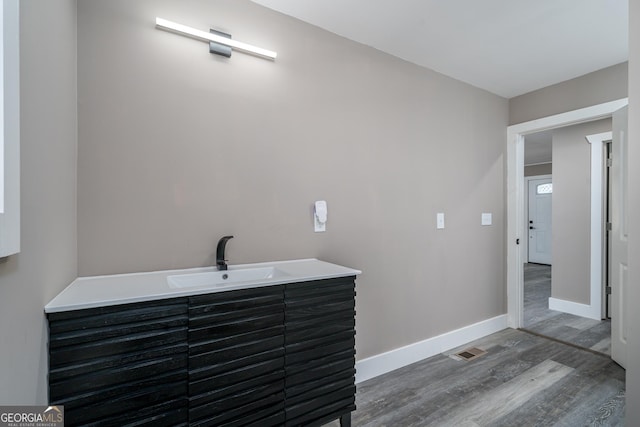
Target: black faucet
220, 261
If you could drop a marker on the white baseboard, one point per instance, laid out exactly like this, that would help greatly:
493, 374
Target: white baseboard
575, 308
403, 356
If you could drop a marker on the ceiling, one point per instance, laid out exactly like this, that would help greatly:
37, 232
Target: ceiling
537, 148
507, 47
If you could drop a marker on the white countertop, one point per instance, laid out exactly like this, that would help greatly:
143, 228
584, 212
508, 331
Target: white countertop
99, 291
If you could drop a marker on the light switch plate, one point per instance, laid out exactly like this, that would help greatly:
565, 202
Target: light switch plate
440, 220
486, 219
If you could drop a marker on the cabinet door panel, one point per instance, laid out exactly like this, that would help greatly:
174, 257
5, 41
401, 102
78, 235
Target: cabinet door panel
236, 357
315, 412
319, 350
121, 365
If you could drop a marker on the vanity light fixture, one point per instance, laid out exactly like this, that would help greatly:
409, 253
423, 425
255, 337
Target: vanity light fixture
215, 38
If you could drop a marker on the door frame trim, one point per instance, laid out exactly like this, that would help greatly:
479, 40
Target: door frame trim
515, 191
597, 222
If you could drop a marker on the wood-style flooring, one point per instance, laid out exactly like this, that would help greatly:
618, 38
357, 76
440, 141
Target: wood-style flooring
588, 333
522, 380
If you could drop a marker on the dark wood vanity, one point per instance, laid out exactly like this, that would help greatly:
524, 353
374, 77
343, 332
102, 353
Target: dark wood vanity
264, 356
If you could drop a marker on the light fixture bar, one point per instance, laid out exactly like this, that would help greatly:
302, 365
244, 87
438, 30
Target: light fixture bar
204, 36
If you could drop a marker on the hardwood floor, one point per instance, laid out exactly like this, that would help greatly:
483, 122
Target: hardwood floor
588, 333
523, 380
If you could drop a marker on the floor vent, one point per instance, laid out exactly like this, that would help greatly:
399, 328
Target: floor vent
470, 353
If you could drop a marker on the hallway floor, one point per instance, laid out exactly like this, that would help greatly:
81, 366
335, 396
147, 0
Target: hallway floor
522, 380
583, 332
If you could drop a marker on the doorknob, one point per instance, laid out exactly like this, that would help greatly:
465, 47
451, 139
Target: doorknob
531, 228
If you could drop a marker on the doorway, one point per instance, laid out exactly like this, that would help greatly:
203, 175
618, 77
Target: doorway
515, 206
569, 160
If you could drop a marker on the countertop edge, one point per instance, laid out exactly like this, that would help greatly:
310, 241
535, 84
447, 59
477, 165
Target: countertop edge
84, 283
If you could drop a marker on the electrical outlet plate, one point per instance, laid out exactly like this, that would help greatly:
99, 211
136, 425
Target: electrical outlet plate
486, 219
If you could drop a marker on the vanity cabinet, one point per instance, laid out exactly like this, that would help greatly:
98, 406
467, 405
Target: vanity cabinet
264, 356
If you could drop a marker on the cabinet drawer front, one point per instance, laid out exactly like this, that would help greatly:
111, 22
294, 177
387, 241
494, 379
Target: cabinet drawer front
234, 301
129, 374
265, 412
310, 354
199, 319
166, 414
112, 316
93, 365
207, 395
239, 405
202, 367
219, 350
228, 378
334, 371
318, 302
337, 286
219, 330
128, 403
124, 345
329, 326
309, 390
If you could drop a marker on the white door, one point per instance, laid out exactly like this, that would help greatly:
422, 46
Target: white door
619, 238
540, 193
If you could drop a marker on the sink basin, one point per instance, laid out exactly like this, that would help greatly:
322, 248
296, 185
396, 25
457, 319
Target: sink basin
224, 278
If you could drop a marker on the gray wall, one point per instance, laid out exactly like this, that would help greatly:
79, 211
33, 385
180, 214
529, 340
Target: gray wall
571, 217
542, 169
178, 148
48, 260
632, 406
595, 88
